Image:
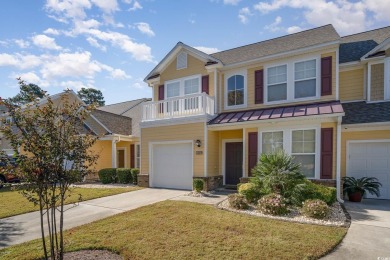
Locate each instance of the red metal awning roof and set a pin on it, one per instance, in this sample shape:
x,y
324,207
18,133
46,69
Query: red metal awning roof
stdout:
x,y
323,108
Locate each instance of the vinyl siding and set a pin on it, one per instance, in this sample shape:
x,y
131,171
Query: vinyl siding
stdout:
x,y
334,126
213,155
358,135
104,150
190,131
377,82
352,85
251,82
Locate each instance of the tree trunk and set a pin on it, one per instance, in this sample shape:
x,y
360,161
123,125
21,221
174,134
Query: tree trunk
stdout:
x,y
42,227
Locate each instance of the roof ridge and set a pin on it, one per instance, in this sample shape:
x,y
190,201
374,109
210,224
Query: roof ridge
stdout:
x,y
274,38
366,31
122,102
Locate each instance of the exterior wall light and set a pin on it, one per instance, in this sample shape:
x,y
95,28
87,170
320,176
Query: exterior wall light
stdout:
x,y
198,143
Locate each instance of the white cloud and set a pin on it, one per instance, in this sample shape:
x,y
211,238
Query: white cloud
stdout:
x,y
51,31
119,74
22,43
275,26
20,61
243,15
45,42
107,6
68,8
136,6
76,85
294,29
231,2
8,60
207,50
145,29
93,42
346,15
30,77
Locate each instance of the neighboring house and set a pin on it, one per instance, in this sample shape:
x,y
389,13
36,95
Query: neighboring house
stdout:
x,y
213,115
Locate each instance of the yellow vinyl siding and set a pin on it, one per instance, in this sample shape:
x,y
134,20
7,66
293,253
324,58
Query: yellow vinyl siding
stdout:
x,y
192,131
334,126
358,135
213,155
194,67
251,81
104,150
377,82
351,84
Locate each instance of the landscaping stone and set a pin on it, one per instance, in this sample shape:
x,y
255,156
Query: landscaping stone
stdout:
x,y
336,217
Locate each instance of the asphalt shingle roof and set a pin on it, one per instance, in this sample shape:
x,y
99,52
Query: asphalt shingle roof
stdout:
x,y
355,46
362,112
278,45
116,124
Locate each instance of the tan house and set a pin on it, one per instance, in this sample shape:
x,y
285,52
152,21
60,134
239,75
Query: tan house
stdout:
x,y
212,115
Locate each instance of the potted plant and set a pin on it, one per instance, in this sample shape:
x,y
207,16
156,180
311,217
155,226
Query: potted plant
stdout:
x,y
356,188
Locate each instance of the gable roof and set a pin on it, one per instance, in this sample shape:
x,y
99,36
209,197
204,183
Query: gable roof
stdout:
x,y
355,46
320,35
114,124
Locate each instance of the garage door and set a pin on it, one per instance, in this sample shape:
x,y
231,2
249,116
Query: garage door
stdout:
x,y
371,159
172,166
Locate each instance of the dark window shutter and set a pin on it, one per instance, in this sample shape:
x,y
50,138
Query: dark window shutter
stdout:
x,y
326,153
205,84
161,97
259,86
326,76
161,92
252,151
132,156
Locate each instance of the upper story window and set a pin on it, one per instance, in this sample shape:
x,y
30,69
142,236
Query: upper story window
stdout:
x,y
305,79
181,60
292,81
235,90
183,86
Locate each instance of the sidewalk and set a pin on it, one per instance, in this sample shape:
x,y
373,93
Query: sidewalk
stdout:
x,y
25,227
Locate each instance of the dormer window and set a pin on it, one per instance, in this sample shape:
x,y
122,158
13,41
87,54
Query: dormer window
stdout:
x,y
181,60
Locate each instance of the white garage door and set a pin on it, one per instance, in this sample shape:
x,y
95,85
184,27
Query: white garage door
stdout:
x,y
371,159
172,166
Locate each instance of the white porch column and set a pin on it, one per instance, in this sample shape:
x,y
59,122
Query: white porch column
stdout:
x,y
338,161
113,155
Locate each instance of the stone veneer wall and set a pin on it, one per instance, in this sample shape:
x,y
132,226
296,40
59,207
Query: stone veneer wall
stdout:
x,y
143,180
377,81
211,182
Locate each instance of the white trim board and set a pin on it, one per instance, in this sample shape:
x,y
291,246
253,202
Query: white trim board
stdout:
x,y
224,141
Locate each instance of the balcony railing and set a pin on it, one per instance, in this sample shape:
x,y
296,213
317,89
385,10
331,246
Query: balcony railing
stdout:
x,y
189,105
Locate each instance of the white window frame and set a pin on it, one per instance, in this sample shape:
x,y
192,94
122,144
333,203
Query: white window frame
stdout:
x,y
291,79
243,73
287,142
316,77
137,159
183,54
181,81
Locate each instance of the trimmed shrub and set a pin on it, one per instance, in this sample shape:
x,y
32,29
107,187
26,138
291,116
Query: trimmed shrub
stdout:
x,y
315,209
310,190
327,194
272,204
134,175
107,175
124,175
197,185
249,191
237,201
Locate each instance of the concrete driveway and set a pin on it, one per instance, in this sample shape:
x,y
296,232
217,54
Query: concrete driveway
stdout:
x,y
25,227
369,234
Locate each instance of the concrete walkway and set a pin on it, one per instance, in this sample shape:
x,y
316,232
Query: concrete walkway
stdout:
x,y
25,227
369,234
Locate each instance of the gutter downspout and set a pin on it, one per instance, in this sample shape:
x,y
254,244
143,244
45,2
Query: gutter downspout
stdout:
x,y
338,161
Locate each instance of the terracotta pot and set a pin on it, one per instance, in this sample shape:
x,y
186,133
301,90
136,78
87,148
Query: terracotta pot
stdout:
x,y
355,197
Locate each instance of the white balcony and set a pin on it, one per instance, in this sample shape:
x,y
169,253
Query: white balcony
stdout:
x,y
189,105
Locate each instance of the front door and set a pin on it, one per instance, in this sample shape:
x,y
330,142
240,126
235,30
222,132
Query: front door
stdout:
x,y
121,158
233,163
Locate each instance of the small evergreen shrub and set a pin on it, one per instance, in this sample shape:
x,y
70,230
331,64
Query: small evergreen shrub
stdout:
x,y
272,204
315,209
198,185
250,191
309,190
327,194
237,201
124,175
134,175
107,175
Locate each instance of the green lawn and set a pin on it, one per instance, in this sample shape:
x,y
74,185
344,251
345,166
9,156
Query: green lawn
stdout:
x,y
13,203
185,230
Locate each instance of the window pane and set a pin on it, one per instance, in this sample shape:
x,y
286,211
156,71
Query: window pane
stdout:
x,y
306,88
309,147
307,164
277,92
232,83
297,135
272,141
231,98
191,86
173,89
239,97
277,74
278,136
310,135
297,147
239,82
305,69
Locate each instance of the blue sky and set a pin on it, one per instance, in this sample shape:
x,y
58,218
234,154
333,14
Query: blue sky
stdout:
x,y
112,45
